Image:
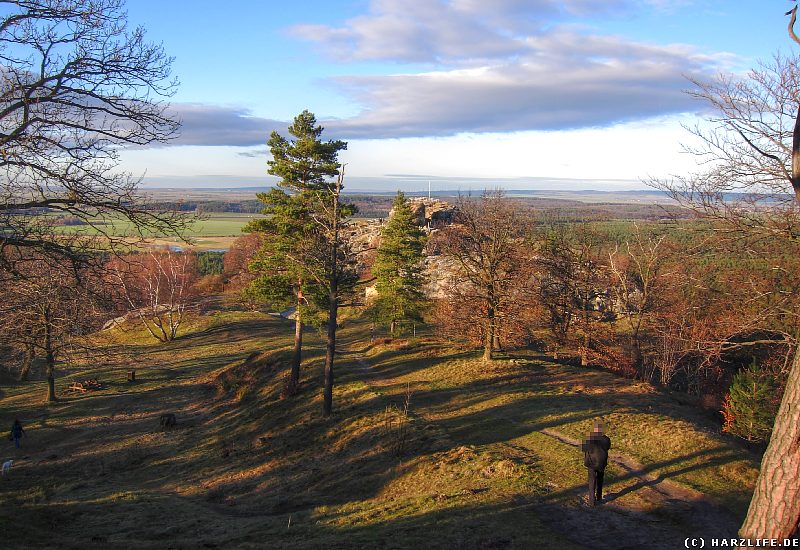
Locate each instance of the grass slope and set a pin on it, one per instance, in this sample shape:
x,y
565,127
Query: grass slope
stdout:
x,y
247,469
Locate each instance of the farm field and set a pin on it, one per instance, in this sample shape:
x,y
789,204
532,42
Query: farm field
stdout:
x,y
215,231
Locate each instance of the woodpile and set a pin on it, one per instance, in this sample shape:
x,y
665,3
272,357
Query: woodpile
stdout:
x,y
91,384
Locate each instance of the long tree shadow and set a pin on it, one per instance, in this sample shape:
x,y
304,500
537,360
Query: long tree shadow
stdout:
x,y
258,454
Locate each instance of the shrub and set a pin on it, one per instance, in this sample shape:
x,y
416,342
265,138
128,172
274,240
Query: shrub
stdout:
x,y
751,404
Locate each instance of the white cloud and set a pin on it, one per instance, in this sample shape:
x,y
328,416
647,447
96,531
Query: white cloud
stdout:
x,y
411,32
498,67
572,82
503,66
447,31
626,151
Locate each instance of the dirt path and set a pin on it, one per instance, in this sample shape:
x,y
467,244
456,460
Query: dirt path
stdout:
x,y
624,523
657,514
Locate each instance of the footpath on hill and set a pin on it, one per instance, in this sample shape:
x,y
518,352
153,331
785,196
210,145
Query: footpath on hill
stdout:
x,y
641,509
486,456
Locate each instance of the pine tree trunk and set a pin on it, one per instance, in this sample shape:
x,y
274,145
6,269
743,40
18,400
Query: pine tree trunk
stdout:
x,y
298,342
775,507
333,307
327,406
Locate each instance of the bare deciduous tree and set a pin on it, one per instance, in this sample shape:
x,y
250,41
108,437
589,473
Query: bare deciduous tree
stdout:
x,y
49,310
573,282
76,84
752,186
638,282
156,287
484,245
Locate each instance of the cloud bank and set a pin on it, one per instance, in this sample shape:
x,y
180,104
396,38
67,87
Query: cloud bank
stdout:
x,y
203,124
501,66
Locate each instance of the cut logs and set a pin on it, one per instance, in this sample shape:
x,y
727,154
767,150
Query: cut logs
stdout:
x,y
83,386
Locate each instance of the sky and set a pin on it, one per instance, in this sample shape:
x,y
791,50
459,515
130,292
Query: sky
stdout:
x,y
567,94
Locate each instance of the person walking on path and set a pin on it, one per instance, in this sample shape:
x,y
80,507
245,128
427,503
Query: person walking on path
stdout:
x,y
16,432
595,457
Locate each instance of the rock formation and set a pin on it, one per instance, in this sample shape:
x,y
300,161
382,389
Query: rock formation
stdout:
x,y
364,237
431,212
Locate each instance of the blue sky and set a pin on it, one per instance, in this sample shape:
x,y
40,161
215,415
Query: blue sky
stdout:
x,y
522,93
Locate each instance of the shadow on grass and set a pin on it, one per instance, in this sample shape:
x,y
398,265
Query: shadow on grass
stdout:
x,y
672,468
239,456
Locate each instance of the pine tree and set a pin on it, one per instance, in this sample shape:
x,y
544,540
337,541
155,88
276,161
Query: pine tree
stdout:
x,y
750,406
398,268
295,264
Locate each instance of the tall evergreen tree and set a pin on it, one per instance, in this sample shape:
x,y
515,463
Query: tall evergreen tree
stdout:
x,y
398,268
291,262
304,259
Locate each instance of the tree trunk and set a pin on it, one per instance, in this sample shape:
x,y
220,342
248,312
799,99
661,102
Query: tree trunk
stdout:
x,y
327,405
796,153
392,326
298,342
30,353
488,342
333,306
637,358
775,507
585,347
51,363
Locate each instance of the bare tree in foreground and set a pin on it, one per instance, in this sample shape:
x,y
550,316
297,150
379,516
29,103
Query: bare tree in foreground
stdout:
x,y
753,187
76,85
484,244
49,310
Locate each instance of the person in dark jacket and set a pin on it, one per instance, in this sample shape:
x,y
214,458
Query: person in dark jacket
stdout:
x,y
17,432
595,458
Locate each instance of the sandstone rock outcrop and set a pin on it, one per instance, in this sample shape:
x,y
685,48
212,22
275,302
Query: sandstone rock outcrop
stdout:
x,y
431,214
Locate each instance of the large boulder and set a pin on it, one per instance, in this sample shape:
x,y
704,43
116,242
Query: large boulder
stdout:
x,y
430,212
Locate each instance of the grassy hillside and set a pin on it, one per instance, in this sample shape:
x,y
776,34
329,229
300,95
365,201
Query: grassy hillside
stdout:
x,y
483,458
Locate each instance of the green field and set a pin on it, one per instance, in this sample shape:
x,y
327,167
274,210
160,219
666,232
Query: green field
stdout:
x,y
210,231
226,224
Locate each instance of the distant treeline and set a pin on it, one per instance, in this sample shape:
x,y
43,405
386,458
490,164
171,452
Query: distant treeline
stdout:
x,y
253,206
368,206
543,209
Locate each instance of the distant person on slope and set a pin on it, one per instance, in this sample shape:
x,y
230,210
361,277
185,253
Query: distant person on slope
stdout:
x,y
595,458
16,432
